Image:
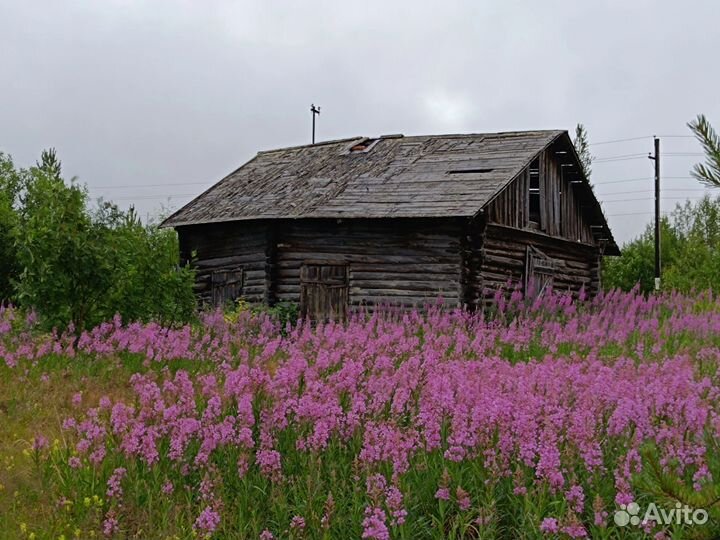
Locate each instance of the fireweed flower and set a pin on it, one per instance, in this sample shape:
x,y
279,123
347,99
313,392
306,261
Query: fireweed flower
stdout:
x,y
40,443
113,484
207,521
463,498
530,394
110,525
374,526
549,526
297,522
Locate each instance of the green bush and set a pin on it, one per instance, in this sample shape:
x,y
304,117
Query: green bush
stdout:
x,y
10,181
689,250
80,267
282,312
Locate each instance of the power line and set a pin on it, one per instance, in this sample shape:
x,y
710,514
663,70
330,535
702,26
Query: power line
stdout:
x,y
148,197
613,160
621,140
624,180
622,156
147,185
644,178
664,213
684,190
646,199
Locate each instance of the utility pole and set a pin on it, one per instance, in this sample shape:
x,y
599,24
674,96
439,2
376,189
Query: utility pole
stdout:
x,y
315,111
656,158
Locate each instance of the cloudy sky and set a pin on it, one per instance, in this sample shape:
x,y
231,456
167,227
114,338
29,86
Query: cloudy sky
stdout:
x,y
149,103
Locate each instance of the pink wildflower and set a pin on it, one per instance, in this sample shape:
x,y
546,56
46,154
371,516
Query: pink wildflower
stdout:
x,y
463,498
114,488
549,526
208,520
374,526
40,443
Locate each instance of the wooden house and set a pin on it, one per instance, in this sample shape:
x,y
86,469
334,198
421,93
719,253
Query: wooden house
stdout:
x,y
397,220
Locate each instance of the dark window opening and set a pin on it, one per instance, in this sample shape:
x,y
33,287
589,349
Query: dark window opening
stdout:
x,y
561,205
471,171
534,194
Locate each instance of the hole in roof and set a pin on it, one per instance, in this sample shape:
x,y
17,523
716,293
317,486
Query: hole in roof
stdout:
x,y
363,146
471,171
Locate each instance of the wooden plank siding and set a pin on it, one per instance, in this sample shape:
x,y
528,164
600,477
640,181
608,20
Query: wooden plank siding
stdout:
x,y
563,234
560,206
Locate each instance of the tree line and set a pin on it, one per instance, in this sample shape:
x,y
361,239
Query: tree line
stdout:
x,y
689,236
78,266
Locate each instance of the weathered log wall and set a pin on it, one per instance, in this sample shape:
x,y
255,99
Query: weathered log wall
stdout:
x,y
503,255
393,261
233,246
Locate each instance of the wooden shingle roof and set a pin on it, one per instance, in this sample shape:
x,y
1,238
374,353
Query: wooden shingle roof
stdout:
x,y
396,176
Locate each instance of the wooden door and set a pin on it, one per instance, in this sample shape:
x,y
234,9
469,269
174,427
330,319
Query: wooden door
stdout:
x,y
324,292
226,286
539,272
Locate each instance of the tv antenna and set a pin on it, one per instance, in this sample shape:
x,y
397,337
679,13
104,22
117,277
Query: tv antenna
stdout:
x,y
315,111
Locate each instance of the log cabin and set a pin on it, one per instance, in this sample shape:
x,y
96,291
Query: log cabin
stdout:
x,y
396,220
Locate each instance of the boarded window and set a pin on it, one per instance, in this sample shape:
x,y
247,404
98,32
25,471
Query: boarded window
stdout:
x,y
226,286
539,272
324,292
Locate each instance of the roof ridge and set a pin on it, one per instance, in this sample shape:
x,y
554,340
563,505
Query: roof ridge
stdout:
x,y
394,136
311,145
486,134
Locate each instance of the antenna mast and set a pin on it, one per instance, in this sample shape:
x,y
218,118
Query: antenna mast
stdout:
x,y
315,111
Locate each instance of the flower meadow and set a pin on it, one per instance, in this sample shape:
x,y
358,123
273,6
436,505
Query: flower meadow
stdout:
x,y
536,420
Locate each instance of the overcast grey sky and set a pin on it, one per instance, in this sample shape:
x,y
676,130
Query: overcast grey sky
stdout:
x,y
179,93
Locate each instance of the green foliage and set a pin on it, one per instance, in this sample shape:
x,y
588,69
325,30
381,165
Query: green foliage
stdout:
x,y
582,146
10,182
689,252
64,258
76,266
282,312
146,282
708,173
666,488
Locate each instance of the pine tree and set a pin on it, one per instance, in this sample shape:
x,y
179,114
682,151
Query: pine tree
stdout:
x,y
582,146
709,172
